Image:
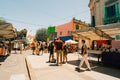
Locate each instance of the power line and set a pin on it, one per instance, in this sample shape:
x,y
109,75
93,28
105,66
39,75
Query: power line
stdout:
x,y
18,21
72,15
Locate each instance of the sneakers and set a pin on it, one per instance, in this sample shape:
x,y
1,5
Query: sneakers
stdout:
x,y
63,62
77,69
48,62
88,69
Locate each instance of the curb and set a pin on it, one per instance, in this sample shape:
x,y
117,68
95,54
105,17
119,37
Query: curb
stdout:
x,y
30,70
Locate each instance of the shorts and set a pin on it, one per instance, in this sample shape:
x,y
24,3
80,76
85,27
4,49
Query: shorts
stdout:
x,y
16,48
41,49
51,52
64,52
33,48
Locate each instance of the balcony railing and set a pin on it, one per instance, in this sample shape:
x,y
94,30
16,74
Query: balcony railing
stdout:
x,y
110,20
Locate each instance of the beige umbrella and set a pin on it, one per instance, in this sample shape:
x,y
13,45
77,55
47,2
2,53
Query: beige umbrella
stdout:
x,y
7,31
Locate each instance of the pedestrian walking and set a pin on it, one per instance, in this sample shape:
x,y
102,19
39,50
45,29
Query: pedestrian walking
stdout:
x,y
34,44
51,49
5,47
21,47
45,47
16,46
84,57
41,48
65,51
38,48
59,50
9,47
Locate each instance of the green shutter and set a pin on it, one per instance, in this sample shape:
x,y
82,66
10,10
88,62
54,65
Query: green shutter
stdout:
x,y
105,12
118,37
117,9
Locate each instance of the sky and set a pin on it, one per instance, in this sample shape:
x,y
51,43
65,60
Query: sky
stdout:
x,y
36,14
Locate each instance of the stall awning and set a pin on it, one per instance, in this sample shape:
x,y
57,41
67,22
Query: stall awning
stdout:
x,y
111,29
91,33
7,31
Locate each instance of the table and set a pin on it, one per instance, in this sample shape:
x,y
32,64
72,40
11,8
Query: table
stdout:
x,y
98,52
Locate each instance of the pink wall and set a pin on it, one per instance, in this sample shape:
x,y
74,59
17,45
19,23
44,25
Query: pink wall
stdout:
x,y
116,44
64,28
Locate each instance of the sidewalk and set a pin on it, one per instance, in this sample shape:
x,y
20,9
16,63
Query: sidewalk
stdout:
x,y
40,70
13,67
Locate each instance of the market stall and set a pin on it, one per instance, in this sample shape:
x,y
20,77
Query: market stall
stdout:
x,y
72,45
7,31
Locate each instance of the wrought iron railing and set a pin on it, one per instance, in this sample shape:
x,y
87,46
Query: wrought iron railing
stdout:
x,y
110,20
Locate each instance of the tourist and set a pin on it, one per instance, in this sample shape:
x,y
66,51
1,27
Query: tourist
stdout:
x,y
21,47
45,47
38,48
65,51
41,48
16,46
9,47
34,44
51,49
5,47
84,57
59,48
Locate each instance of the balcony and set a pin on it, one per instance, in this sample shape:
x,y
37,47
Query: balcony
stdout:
x,y
110,20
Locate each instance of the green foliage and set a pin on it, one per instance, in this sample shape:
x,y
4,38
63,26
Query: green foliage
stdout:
x,y
2,21
41,34
22,33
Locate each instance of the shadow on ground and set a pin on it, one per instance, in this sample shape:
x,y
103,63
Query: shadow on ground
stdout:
x,y
3,58
98,67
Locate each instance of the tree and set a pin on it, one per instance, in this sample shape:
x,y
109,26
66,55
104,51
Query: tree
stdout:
x,y
22,33
41,34
2,21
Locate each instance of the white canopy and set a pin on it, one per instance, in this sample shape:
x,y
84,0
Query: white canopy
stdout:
x,y
7,31
71,42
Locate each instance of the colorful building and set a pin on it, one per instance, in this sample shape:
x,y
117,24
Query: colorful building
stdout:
x,y
64,30
105,15
104,11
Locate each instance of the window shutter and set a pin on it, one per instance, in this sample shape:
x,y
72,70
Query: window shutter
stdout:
x,y
117,9
105,12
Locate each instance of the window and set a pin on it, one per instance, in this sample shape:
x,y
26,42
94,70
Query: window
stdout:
x,y
60,33
110,11
77,27
111,14
69,32
93,21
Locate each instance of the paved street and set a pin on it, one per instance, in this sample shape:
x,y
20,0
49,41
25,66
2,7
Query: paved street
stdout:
x,y
40,70
13,67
